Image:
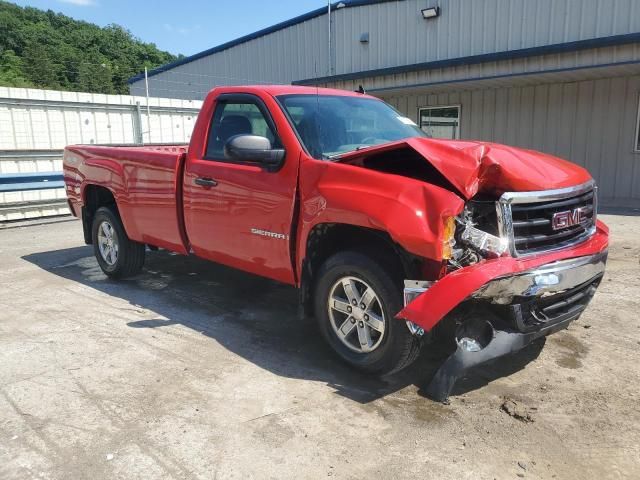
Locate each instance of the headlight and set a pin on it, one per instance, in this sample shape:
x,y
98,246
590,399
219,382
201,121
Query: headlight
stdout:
x,y
484,242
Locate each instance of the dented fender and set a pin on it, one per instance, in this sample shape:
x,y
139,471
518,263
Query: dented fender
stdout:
x,y
410,211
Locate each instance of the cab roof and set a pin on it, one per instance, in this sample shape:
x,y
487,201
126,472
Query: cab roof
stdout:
x,y
278,90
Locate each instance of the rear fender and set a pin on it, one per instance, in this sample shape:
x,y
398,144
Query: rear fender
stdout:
x,y
109,174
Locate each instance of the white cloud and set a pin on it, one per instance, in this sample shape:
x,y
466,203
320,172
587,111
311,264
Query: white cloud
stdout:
x,y
80,3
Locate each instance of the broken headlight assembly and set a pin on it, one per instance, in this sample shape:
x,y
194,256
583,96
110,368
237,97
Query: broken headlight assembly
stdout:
x,y
485,243
477,234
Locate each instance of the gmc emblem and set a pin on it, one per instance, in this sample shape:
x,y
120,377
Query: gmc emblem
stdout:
x,y
569,218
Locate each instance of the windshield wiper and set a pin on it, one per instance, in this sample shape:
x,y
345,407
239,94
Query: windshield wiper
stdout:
x,y
332,156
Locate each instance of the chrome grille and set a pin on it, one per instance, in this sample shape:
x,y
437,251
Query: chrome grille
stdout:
x,y
530,220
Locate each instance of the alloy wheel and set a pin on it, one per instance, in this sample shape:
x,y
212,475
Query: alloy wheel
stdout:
x,y
108,243
356,314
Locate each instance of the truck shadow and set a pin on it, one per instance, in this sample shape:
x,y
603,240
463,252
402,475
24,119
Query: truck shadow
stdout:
x,y
253,317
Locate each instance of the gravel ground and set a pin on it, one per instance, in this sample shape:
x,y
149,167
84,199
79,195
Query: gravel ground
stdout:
x,y
192,370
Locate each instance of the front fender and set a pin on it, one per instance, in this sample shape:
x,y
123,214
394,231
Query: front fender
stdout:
x,y
410,211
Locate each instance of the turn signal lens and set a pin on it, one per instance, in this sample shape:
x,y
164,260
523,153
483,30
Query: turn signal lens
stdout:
x,y
448,237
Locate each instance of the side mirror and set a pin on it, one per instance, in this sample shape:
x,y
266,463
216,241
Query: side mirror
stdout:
x,y
253,148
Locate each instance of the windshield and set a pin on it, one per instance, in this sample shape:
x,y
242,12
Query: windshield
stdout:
x,y
330,126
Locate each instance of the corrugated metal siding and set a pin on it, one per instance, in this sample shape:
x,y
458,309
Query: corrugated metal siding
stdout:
x,y
296,52
627,56
399,36
35,125
47,119
592,123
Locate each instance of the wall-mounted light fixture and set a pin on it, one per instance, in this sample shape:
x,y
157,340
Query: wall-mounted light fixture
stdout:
x,y
431,12
364,38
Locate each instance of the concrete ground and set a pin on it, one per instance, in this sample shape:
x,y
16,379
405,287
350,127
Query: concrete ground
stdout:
x,y
192,370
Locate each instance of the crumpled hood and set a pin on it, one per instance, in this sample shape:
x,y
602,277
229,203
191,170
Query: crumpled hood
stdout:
x,y
472,166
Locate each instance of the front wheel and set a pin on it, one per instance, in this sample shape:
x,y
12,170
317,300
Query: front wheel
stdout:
x,y
355,302
117,255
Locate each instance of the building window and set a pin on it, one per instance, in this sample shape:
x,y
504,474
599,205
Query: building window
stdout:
x,y
637,137
441,122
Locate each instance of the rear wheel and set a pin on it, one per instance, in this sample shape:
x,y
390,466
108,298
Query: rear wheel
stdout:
x,y
117,255
355,302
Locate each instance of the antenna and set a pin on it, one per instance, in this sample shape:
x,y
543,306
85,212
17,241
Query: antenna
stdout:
x,y
316,120
329,37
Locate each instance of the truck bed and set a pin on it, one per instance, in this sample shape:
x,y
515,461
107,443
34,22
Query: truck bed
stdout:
x,y
145,181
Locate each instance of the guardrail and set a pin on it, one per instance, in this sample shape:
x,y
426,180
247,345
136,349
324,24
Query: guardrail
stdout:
x,y
31,195
24,182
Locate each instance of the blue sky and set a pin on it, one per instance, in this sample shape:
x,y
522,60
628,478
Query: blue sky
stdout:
x,y
188,26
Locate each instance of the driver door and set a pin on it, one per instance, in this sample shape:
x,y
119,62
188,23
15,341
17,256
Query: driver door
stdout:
x,y
240,213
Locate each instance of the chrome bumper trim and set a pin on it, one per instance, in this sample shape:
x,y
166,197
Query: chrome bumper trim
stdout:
x,y
412,289
545,280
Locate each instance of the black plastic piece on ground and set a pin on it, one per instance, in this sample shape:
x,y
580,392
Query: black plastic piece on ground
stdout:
x,y
503,343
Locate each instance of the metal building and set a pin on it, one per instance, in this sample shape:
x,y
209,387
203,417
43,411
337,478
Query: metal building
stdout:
x,y
560,76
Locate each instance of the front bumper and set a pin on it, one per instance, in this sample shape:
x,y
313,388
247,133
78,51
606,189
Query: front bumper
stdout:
x,y
545,280
546,295
524,299
447,293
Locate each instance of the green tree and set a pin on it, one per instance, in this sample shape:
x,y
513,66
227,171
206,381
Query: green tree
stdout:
x,y
95,77
12,70
40,66
50,50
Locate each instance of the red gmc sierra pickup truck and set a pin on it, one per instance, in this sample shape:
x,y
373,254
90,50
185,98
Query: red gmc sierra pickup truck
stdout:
x,y
395,240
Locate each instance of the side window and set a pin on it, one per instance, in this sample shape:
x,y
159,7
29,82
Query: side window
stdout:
x,y
236,118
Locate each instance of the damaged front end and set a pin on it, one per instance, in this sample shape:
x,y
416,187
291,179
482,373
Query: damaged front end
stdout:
x,y
509,282
510,312
513,232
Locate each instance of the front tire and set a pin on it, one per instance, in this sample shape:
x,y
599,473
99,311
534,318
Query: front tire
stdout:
x,y
355,302
117,255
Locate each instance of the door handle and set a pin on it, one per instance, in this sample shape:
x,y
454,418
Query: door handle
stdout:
x,y
206,182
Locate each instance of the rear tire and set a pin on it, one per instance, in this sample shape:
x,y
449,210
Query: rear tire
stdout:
x,y
386,347
117,255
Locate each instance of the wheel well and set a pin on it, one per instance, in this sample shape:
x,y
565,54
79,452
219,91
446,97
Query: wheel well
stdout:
x,y
95,197
327,239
